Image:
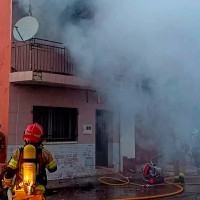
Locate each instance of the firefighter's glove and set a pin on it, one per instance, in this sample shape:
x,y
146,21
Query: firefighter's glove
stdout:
x,y
6,183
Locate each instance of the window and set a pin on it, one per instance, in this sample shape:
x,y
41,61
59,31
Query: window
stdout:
x,y
59,124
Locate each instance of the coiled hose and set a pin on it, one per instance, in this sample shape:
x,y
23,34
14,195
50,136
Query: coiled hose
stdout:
x,y
126,181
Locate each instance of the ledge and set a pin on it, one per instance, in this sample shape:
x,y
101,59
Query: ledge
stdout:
x,y
57,143
43,78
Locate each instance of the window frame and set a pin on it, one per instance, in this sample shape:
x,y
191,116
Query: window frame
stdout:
x,y
60,124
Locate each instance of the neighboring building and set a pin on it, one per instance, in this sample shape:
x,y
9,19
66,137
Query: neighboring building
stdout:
x,y
38,83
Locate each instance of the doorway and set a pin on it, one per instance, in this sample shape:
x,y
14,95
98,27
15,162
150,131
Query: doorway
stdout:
x,y
103,137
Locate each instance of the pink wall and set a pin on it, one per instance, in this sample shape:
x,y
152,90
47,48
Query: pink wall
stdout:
x,y
5,54
22,99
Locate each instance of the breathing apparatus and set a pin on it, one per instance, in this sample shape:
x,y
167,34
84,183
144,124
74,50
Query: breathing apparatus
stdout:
x,y
29,169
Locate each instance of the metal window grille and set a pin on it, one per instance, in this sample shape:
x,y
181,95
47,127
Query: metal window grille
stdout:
x,y
59,124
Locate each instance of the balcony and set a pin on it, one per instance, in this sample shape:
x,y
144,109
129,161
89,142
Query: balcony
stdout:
x,y
43,62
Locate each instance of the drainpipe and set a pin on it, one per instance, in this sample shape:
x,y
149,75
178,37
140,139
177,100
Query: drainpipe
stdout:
x,y
17,117
120,134
120,160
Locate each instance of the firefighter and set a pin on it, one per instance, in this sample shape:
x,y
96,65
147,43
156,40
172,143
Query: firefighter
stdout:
x,y
33,136
195,148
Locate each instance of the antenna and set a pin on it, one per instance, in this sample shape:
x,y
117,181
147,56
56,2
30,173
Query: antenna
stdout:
x,y
30,13
25,28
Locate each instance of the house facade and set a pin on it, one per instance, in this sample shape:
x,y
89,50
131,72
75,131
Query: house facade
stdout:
x,y
39,83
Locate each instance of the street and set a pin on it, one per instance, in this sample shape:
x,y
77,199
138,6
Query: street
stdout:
x,y
191,192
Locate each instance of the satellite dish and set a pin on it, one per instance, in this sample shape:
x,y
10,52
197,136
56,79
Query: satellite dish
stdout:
x,y
25,28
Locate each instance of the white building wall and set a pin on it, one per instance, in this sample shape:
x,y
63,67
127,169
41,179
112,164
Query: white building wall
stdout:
x,y
116,156
73,160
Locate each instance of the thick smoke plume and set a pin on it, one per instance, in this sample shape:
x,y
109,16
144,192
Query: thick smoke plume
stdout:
x,y
142,55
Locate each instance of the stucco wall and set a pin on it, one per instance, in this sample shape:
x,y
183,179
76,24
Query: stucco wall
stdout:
x,y
74,159
23,98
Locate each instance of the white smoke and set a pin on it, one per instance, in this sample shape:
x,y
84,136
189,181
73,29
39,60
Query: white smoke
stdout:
x,y
143,55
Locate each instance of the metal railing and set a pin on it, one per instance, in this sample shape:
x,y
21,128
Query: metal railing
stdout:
x,y
42,56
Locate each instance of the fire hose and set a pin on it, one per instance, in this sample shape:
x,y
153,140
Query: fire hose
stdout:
x,y
126,181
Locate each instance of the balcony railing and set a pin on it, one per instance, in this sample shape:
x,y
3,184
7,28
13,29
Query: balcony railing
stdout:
x,y
41,56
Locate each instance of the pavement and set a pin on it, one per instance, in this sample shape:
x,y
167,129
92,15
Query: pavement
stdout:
x,y
103,192
92,181
73,183
89,188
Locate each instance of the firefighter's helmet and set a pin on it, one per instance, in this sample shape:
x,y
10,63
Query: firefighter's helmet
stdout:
x,y
34,133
